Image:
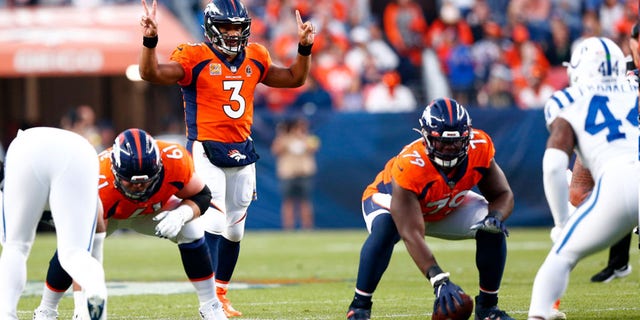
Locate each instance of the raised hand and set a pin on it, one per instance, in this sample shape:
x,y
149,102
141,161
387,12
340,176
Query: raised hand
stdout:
x,y
306,31
148,21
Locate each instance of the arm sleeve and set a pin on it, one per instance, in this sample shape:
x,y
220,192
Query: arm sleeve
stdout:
x,y
556,189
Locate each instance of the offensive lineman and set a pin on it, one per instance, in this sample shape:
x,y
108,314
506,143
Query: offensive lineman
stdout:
x,y
140,177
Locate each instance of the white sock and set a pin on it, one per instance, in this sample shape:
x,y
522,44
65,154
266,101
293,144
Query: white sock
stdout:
x,y
50,298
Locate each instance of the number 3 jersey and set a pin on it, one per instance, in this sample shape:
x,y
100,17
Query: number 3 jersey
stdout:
x,y
438,194
177,172
604,118
218,94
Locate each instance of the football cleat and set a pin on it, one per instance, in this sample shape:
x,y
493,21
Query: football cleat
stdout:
x,y
44,313
358,314
490,313
229,310
556,314
608,274
212,310
95,306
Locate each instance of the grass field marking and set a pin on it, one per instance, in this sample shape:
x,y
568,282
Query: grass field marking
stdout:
x,y
128,288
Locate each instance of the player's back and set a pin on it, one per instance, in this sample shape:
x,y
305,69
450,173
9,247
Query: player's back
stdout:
x,y
604,119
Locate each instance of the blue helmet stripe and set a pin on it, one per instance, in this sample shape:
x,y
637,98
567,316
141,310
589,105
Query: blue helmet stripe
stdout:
x,y
608,56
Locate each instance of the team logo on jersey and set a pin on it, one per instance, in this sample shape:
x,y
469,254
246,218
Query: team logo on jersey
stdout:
x,y
248,71
215,69
234,69
236,155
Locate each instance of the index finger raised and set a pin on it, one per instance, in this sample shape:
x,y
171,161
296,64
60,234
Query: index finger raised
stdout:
x,y
298,18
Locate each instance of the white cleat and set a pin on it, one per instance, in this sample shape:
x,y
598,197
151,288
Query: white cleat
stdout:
x,y
96,308
212,310
44,313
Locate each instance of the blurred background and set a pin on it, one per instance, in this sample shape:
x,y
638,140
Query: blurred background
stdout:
x,y
376,64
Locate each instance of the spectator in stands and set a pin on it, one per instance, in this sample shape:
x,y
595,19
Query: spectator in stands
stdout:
x,y
558,49
82,120
390,95
523,53
450,37
487,51
590,28
295,148
610,12
497,92
369,50
405,27
333,74
314,98
538,90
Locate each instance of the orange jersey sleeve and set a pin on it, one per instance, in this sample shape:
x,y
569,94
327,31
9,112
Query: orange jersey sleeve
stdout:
x,y
177,172
218,94
412,170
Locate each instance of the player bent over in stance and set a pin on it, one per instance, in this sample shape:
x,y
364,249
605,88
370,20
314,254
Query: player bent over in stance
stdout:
x,y
139,180
595,117
50,168
426,190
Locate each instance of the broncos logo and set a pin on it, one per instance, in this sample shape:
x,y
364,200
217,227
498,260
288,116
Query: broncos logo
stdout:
x,y
235,154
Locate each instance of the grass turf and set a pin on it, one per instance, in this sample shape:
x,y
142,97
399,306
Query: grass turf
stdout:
x,y
314,273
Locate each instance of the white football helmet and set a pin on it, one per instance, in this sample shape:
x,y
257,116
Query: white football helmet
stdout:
x,y
596,60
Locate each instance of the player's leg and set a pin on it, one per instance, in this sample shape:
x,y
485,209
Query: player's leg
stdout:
x,y
25,195
74,207
287,210
585,234
375,254
618,264
214,219
241,188
491,251
196,261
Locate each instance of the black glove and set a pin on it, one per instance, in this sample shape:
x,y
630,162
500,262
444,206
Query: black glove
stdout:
x,y
446,293
491,223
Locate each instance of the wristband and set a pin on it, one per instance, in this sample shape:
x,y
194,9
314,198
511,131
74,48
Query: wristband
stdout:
x,y
433,271
304,50
150,42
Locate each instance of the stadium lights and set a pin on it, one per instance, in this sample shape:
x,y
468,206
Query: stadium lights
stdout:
x,y
133,73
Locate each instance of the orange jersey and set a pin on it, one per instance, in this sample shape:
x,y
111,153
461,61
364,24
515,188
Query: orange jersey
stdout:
x,y
177,172
218,94
412,170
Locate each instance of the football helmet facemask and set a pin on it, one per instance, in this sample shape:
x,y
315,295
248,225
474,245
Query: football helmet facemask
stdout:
x,y
446,128
219,13
596,60
136,164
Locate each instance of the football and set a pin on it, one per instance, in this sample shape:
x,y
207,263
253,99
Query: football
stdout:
x,y
462,312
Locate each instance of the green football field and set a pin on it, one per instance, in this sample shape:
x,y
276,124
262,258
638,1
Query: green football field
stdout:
x,y
311,275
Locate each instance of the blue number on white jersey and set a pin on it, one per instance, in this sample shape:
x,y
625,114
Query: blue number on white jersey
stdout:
x,y
599,105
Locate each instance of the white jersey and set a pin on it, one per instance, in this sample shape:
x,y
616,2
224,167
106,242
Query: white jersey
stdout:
x,y
604,119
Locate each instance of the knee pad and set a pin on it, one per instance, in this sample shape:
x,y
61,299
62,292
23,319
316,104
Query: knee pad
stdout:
x,y
242,190
235,232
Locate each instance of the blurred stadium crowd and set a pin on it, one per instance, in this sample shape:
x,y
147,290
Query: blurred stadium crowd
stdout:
x,y
396,55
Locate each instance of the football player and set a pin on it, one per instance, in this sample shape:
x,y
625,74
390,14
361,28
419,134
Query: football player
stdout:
x,y
139,177
596,120
218,78
50,168
426,190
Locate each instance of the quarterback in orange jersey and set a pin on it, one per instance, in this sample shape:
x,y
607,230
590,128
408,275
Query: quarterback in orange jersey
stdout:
x,y
426,190
218,78
150,187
